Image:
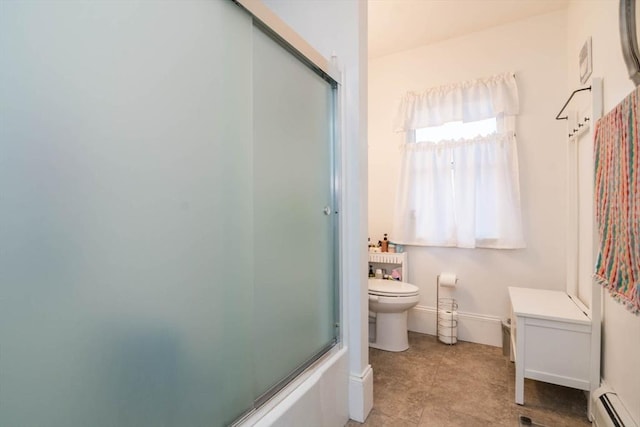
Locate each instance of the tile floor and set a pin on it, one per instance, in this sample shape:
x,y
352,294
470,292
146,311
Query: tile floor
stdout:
x,y
433,384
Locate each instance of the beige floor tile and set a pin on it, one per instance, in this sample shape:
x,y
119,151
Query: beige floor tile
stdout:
x,y
443,417
549,418
433,384
401,404
484,401
377,419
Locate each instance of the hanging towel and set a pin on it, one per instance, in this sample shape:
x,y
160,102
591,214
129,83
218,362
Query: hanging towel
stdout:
x,y
617,201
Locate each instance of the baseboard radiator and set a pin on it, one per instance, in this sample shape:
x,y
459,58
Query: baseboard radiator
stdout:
x,y
608,410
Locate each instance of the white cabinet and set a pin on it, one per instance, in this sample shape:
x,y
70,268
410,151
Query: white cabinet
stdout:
x,y
551,339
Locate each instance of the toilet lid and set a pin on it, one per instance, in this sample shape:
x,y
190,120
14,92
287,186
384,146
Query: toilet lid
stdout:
x,y
391,287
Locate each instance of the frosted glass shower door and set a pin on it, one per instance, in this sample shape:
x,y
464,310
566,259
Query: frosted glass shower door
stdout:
x,y
167,215
126,191
294,250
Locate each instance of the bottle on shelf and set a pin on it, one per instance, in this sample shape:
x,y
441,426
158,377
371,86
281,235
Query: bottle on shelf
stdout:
x,y
385,243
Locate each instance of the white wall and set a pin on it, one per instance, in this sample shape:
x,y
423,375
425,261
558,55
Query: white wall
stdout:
x,y
535,49
340,28
620,329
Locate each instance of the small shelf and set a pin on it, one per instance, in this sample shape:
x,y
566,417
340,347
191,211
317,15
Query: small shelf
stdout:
x,y
391,258
388,257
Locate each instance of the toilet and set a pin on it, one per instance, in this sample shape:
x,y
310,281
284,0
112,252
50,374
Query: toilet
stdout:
x,y
390,301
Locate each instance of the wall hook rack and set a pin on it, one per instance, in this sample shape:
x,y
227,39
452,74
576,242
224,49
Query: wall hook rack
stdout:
x,y
568,101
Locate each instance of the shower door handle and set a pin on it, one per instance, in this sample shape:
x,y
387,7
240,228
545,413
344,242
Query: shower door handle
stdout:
x,y
327,210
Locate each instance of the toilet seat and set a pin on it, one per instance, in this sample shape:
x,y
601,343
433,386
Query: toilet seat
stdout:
x,y
391,288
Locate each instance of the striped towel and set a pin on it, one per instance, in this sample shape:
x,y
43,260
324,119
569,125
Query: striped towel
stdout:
x,y
617,201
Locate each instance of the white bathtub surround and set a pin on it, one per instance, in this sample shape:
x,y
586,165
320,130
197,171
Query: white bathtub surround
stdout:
x,y
318,397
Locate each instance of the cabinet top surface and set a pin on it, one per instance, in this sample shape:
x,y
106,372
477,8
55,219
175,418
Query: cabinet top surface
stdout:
x,y
546,304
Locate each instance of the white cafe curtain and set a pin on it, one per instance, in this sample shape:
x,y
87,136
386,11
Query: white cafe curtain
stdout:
x,y
460,192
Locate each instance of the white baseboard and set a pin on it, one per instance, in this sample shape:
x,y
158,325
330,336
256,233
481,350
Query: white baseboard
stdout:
x,y
361,395
471,327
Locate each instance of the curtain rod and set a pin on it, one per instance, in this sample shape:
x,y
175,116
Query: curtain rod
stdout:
x,y
568,101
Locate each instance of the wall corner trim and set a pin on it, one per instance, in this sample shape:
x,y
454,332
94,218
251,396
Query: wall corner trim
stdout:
x,y
361,394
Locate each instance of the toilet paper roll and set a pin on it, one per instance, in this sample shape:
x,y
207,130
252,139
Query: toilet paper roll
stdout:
x,y
447,314
447,279
447,319
447,323
448,340
448,331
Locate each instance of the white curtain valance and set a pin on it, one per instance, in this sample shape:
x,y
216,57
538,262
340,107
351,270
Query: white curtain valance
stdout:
x,y
459,194
468,101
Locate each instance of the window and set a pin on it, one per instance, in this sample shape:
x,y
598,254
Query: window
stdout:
x,y
456,130
459,182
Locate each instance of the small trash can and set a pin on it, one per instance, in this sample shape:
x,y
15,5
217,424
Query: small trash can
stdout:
x,y
506,337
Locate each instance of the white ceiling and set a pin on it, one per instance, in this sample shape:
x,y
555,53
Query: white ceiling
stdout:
x,y
396,25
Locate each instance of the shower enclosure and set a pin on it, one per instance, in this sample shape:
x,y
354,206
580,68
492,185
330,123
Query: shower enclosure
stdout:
x,y
168,216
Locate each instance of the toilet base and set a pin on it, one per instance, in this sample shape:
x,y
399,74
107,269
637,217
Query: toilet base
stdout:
x,y
391,332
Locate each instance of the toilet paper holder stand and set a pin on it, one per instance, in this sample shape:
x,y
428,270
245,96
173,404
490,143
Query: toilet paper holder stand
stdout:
x,y
446,313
